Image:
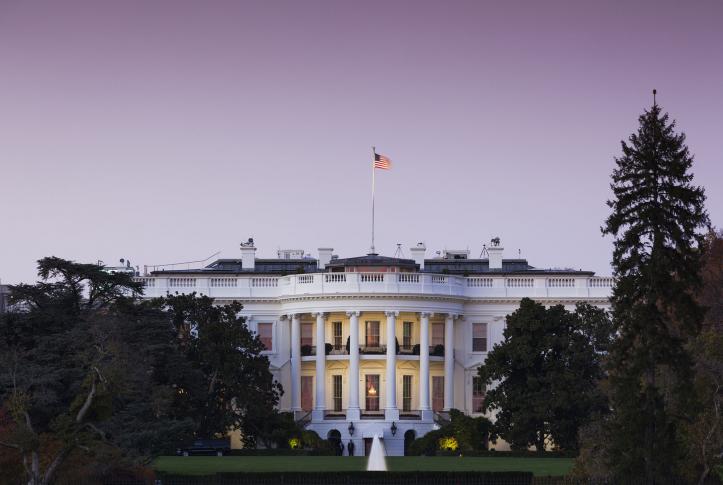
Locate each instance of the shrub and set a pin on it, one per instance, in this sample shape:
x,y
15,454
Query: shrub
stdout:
x,y
448,443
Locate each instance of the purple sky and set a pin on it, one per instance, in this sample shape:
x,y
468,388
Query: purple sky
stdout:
x,y
164,131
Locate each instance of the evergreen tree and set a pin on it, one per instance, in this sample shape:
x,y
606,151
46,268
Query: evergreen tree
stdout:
x,y
657,220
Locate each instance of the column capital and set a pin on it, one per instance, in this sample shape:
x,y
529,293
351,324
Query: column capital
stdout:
x,y
426,314
319,314
355,313
391,314
293,316
454,316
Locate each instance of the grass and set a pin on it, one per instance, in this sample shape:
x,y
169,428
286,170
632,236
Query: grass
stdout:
x,y
208,465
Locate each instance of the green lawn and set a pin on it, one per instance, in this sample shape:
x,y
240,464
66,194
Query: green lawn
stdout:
x,y
207,465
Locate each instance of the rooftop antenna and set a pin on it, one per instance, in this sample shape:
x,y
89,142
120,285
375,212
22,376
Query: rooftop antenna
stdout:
x,y
484,251
655,91
399,253
519,253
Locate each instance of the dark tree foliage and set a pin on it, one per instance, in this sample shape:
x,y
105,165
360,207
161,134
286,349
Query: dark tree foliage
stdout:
x,y
81,370
547,371
657,219
237,391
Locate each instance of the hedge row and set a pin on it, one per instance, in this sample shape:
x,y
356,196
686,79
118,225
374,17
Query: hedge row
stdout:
x,y
281,452
355,478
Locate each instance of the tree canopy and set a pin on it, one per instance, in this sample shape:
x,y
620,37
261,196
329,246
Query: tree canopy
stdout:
x,y
545,374
87,368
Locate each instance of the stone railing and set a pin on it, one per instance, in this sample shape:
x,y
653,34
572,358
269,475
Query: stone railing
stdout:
x,y
385,283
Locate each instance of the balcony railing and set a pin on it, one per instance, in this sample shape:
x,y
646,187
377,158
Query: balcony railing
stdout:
x,y
562,286
332,414
410,414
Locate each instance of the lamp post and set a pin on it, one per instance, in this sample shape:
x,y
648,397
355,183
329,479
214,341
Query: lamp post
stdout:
x,y
351,429
394,428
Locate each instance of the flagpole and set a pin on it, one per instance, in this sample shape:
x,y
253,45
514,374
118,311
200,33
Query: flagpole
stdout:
x,y
374,155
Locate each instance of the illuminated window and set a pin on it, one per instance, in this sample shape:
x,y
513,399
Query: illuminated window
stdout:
x,y
372,334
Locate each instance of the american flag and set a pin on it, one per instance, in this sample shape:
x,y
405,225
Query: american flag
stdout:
x,y
381,161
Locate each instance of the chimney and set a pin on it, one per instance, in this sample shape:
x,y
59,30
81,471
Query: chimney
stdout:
x,y
418,254
248,255
494,252
324,257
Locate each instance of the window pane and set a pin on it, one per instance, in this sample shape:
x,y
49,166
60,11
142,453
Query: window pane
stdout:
x,y
372,336
479,337
406,393
437,393
372,392
306,334
478,394
337,335
337,392
307,392
265,335
437,334
407,334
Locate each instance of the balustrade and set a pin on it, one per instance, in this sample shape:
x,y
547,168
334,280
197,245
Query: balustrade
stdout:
x,y
391,283
561,282
181,282
223,282
477,282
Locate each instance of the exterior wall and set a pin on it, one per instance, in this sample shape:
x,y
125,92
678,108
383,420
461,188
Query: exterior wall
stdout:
x,y
467,300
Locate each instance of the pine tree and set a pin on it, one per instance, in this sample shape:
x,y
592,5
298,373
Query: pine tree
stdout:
x,y
658,220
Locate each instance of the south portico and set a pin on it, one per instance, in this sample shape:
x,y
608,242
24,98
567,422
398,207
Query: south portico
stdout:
x,y
344,370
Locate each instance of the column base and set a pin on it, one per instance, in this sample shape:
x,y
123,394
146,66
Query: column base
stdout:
x,y
391,414
353,414
427,415
317,414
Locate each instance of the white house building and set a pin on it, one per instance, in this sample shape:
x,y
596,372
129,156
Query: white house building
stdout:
x,y
379,345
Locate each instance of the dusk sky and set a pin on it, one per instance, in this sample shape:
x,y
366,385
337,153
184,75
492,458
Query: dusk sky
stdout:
x,y
165,131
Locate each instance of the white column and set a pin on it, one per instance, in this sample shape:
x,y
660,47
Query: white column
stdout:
x,y
449,362
295,363
424,367
391,411
353,413
320,406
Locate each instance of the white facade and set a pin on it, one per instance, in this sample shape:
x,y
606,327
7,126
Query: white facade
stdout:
x,y
370,302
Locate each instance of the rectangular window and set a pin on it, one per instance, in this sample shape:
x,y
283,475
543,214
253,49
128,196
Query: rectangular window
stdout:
x,y
307,331
437,393
307,392
372,334
406,393
407,335
265,331
478,394
337,392
437,334
336,330
479,337
372,392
